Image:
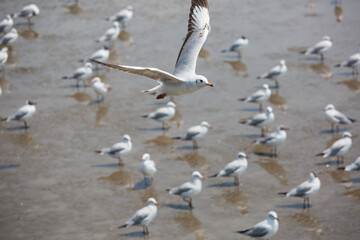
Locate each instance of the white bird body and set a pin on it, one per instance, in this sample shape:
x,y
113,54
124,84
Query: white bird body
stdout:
x,y
234,168
195,132
352,61
9,37
81,73
355,166
259,96
336,117
274,138
340,147
99,87
264,229
189,189
163,113
110,34
320,47
261,119
238,44
101,55
118,149
28,11
275,72
309,187
123,16
23,113
143,216
183,80
147,167
6,24
3,56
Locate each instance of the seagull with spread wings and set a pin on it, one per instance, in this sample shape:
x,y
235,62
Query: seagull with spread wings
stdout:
x,y
183,80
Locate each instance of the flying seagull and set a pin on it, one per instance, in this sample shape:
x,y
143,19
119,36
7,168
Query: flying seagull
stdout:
x,y
183,80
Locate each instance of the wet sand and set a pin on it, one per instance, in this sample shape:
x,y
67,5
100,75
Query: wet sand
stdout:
x,y
53,186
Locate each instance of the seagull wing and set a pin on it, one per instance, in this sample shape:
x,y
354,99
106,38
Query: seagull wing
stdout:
x,y
152,73
198,29
261,229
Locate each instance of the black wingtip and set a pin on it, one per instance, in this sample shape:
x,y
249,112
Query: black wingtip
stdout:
x,y
337,65
122,226
145,116
258,77
319,154
282,193
97,151
65,77
352,120
168,190
241,99
303,52
223,51
212,176
176,138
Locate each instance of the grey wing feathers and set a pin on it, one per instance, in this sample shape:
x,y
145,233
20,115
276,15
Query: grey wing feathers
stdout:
x,y
255,231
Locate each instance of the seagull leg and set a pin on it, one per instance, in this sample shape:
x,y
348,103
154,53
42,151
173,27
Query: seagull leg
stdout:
x,y
304,205
120,161
322,57
262,132
29,22
260,107
195,145
236,181
276,83
25,125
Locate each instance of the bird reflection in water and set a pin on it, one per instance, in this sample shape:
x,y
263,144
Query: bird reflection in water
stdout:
x,y
308,222
28,33
188,222
205,54
5,85
278,101
338,10
339,175
353,84
81,97
12,58
114,58
238,66
195,161
74,8
274,169
177,118
236,198
322,70
119,177
126,37
101,114
161,141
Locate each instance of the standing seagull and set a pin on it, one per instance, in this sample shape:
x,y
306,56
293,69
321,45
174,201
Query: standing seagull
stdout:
x,y
355,166
320,47
110,34
183,80
10,37
3,58
28,12
147,168
234,168
101,55
309,187
336,118
189,189
338,148
195,132
143,216
6,24
260,120
99,87
118,149
352,62
275,72
238,45
123,16
264,229
259,96
23,113
81,73
274,139
163,114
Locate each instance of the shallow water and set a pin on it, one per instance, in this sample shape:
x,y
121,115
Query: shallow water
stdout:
x,y
53,186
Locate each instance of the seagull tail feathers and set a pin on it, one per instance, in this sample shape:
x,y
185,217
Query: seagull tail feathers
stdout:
x,y
242,99
243,231
215,175
122,226
352,120
224,51
145,116
176,138
98,151
338,65
282,193
320,154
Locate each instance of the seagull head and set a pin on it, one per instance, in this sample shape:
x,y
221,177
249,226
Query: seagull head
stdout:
x,y
13,30
197,175
145,156
95,79
329,107
127,138
241,155
88,65
202,81
171,104
283,128
28,102
273,215
265,86
313,175
129,8
326,38
346,135
116,24
269,110
35,9
282,62
152,201
205,124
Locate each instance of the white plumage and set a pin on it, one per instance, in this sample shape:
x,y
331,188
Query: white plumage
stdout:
x,y
147,167
81,73
143,216
6,24
28,12
183,80
23,113
275,72
162,114
335,117
123,16
352,62
234,168
264,229
195,132
238,45
339,148
99,87
9,37
355,166
320,47
259,96
274,139
261,119
118,149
